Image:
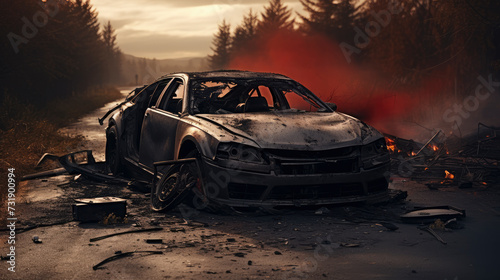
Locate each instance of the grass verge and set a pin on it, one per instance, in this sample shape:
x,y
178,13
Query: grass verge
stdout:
x,y
28,131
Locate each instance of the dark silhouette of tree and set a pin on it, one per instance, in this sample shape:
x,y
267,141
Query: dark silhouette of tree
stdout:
x,y
52,49
346,16
112,60
245,34
321,16
221,45
332,18
276,17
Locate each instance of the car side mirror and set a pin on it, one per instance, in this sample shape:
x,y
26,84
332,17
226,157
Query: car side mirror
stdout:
x,y
333,106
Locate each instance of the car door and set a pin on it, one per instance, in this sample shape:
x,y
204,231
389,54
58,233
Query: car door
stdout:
x,y
160,125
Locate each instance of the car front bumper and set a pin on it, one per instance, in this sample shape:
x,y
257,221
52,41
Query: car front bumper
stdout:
x,y
243,188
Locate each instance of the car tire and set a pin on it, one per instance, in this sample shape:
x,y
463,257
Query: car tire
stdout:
x,y
113,156
175,185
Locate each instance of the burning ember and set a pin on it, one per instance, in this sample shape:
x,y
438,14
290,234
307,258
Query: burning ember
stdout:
x,y
448,175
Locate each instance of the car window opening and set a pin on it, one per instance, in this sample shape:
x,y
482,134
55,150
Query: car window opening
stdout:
x,y
238,96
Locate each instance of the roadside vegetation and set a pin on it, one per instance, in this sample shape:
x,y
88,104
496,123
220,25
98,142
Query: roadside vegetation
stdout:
x,y
407,41
30,131
376,59
57,64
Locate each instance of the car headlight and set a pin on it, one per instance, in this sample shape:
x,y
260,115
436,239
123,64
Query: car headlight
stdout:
x,y
374,154
373,149
240,152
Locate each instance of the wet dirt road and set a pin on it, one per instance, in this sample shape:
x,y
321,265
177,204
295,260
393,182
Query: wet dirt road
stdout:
x,y
348,242
89,127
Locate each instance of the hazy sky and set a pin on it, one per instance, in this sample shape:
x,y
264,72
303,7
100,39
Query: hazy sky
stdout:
x,y
173,29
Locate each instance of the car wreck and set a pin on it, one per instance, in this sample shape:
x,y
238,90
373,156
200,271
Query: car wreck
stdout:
x,y
243,139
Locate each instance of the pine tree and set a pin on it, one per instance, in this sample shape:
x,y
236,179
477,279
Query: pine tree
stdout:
x,y
321,16
346,16
221,47
332,18
275,17
245,33
112,58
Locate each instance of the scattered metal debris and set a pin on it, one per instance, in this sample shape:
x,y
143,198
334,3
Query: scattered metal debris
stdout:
x,y
154,241
123,255
349,245
125,232
81,162
43,174
389,226
433,233
430,214
322,210
444,161
36,239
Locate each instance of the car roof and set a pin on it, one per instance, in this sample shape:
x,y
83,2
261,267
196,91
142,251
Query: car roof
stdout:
x,y
229,74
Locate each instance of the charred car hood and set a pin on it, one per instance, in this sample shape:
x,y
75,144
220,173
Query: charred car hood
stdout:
x,y
296,130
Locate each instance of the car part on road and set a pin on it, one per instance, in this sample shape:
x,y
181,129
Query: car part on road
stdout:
x,y
125,232
43,174
123,255
96,209
433,233
154,241
430,214
83,162
389,226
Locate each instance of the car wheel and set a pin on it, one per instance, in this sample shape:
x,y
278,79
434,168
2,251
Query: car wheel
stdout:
x,y
113,157
173,187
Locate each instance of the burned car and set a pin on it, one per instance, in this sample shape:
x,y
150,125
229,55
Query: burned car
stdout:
x,y
244,139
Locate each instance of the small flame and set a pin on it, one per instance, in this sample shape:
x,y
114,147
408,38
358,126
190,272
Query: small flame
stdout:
x,y
434,147
448,175
391,145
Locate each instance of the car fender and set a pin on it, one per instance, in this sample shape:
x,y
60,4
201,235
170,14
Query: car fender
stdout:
x,y
115,120
205,143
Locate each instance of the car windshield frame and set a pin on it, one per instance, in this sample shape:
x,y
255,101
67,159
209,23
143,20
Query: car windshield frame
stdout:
x,y
224,86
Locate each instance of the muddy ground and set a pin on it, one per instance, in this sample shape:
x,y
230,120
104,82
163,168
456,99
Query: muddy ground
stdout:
x,y
346,242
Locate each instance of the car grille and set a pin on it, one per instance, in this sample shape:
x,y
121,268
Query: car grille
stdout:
x,y
304,168
316,191
293,154
291,162
245,191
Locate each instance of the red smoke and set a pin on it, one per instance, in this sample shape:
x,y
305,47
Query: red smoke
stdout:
x,y
320,65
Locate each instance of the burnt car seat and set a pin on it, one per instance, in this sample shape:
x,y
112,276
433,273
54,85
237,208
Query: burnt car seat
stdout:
x,y
253,104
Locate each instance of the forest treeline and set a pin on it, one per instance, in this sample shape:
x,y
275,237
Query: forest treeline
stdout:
x,y
54,49
405,40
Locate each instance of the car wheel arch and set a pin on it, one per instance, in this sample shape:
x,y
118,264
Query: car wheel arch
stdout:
x,y
186,147
113,151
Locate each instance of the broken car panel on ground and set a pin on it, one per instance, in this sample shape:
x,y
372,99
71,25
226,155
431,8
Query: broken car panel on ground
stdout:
x,y
255,139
